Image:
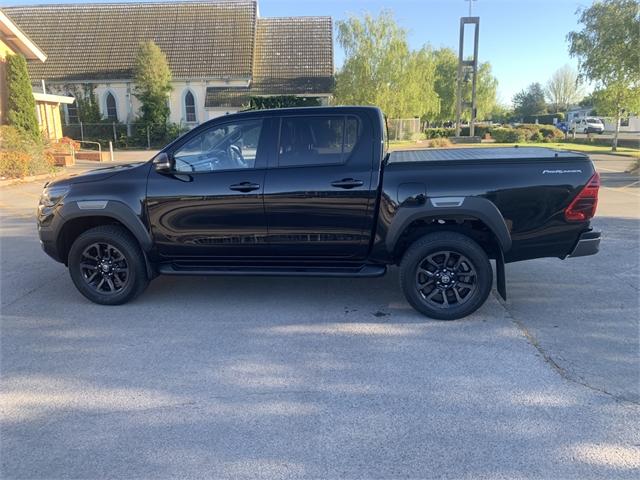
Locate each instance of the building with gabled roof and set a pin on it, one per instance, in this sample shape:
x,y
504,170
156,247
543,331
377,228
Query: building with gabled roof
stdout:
x,y
220,53
13,41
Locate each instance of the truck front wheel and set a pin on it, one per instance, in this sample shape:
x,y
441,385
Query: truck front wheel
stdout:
x,y
107,266
446,275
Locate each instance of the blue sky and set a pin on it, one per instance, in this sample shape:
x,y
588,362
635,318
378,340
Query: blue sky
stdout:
x,y
523,39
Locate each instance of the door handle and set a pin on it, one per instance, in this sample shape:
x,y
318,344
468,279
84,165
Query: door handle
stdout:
x,y
347,183
244,187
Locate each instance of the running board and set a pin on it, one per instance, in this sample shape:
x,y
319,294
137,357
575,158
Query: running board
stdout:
x,y
288,271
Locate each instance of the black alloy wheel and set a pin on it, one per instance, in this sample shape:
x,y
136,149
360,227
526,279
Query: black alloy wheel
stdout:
x,y
446,275
104,268
107,265
446,278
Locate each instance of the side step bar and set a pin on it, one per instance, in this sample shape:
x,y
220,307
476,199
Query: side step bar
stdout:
x,y
288,271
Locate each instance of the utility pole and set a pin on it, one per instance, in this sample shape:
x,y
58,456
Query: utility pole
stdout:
x,y
466,67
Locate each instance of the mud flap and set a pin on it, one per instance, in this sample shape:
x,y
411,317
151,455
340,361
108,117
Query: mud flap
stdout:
x,y
501,281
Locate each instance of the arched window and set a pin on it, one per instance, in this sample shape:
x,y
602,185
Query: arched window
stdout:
x,y
112,109
189,107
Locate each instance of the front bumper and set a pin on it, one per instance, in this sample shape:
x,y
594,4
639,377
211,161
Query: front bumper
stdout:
x,y
49,226
588,244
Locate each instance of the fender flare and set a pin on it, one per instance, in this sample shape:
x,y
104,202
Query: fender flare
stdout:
x,y
113,209
476,207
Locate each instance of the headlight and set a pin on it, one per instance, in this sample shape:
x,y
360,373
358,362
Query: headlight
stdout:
x,y
51,196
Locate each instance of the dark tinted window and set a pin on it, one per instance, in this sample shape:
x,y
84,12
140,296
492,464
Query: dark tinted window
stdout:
x,y
316,140
190,107
112,110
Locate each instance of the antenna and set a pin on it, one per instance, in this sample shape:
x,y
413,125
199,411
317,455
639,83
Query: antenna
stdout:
x,y
470,6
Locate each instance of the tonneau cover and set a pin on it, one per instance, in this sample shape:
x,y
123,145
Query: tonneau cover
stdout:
x,y
482,154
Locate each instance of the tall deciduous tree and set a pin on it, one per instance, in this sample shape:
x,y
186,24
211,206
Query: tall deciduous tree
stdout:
x,y
608,54
445,84
563,89
529,101
152,85
21,106
486,88
380,69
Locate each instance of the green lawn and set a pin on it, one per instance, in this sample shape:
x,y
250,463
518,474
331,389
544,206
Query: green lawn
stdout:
x,y
579,147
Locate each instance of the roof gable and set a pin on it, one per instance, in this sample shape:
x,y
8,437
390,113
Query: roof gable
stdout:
x,y
212,39
294,55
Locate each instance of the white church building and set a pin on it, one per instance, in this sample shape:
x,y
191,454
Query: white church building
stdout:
x,y
220,52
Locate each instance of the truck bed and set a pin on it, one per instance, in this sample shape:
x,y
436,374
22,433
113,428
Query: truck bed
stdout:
x,y
481,155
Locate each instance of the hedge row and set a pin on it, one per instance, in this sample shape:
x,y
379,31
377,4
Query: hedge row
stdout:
x,y
520,134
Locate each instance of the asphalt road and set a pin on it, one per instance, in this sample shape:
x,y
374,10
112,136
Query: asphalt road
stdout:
x,y
316,378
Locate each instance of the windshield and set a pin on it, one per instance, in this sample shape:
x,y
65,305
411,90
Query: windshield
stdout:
x,y
594,120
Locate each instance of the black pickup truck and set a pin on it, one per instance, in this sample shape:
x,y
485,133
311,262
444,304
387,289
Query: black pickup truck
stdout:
x,y
313,192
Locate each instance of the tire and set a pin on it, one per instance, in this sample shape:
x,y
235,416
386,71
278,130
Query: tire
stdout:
x,y
586,131
438,288
114,256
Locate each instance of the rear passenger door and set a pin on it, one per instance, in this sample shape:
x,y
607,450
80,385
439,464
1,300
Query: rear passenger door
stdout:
x,y
318,195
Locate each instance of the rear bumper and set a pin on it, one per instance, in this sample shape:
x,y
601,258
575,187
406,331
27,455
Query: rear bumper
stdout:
x,y
588,244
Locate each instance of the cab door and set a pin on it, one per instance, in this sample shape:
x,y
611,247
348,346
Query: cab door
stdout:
x,y
318,191
211,203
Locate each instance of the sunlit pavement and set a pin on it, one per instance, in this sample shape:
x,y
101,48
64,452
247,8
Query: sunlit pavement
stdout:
x,y
291,378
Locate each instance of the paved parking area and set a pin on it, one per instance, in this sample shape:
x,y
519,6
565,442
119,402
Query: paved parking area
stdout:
x,y
317,378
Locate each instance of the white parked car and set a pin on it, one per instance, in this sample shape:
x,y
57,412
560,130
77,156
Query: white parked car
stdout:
x,y
588,125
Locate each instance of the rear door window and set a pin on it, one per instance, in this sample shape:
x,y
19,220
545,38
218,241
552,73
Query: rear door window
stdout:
x,y
316,140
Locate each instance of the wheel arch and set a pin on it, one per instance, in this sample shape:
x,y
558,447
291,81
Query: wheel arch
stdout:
x,y
81,216
475,217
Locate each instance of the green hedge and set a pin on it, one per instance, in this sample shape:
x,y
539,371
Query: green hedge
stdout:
x,y
439,132
520,134
546,119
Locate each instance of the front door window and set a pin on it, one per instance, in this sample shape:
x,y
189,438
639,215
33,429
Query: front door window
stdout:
x,y
225,147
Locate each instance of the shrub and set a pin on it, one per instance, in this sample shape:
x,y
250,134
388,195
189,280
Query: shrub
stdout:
x,y
439,143
508,135
418,136
536,137
22,154
439,132
478,131
14,164
64,145
551,133
282,101
545,119
70,143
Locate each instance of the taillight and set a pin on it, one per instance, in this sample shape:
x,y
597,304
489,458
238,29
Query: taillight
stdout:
x,y
583,207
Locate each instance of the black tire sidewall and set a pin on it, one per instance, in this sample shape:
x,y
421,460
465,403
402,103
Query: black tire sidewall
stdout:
x,y
453,242
120,239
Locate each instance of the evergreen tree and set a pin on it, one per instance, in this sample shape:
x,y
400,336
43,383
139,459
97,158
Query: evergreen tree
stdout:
x,y
152,87
21,106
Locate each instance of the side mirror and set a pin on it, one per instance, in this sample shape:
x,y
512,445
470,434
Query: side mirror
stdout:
x,y
162,162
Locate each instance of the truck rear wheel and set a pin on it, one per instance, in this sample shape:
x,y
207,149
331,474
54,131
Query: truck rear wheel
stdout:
x,y
446,275
107,265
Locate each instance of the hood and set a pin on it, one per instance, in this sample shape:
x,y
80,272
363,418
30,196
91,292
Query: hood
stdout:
x,y
94,175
